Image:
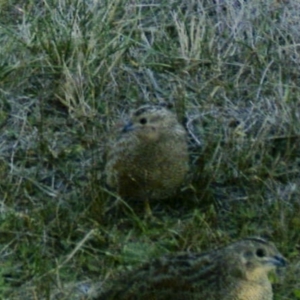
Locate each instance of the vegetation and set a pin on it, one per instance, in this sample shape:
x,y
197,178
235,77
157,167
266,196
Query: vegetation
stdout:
x,y
71,70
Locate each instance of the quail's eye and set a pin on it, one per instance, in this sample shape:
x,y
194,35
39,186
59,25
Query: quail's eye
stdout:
x,y
143,121
260,252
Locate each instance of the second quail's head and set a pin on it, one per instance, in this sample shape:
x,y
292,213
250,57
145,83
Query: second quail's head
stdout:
x,y
252,259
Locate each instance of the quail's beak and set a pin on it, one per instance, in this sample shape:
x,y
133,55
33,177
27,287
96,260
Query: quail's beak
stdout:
x,y
128,127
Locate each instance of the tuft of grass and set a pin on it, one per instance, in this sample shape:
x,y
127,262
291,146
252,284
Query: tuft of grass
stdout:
x,y
71,70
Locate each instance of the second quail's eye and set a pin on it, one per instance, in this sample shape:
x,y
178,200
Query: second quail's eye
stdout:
x,y
143,121
260,252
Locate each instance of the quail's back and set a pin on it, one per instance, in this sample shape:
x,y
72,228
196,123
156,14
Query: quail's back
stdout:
x,y
149,158
236,272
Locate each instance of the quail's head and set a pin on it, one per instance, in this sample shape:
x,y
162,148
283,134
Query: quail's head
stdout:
x,y
151,123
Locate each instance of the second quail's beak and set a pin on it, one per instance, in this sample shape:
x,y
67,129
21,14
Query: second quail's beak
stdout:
x,y
128,127
279,261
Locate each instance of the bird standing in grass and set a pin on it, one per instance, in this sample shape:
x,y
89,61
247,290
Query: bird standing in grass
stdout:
x,y
236,272
149,158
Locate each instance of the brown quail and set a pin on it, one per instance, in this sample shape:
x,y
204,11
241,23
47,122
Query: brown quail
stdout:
x,y
238,271
149,158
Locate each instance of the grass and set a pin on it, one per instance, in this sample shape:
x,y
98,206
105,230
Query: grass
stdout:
x,y
71,70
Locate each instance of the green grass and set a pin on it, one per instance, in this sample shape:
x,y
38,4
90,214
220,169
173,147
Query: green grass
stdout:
x,y
71,70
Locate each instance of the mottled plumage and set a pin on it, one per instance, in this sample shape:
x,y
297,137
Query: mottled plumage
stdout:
x,y
238,271
149,157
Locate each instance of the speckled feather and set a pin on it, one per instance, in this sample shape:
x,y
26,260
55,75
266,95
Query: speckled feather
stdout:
x,y
149,157
236,272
